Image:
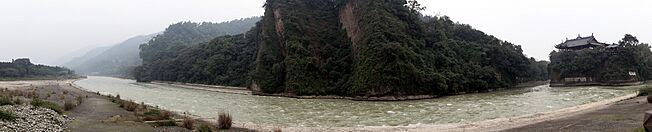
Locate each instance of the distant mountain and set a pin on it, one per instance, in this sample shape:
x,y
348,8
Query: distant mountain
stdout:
x,y
78,60
117,60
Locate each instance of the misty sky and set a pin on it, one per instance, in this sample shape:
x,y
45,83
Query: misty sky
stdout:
x,y
47,30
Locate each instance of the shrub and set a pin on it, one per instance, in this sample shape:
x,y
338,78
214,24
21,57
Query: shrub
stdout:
x,y
224,121
129,105
4,100
278,130
155,114
188,123
45,104
117,96
645,91
7,115
17,100
166,123
68,105
204,127
79,99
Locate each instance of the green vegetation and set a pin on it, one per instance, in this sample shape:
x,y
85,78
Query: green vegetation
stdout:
x,y
317,47
155,115
7,115
6,100
184,51
46,104
24,69
394,50
607,65
204,127
645,91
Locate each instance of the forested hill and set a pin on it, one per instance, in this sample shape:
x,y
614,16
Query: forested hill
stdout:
x,y
24,69
118,60
170,55
352,48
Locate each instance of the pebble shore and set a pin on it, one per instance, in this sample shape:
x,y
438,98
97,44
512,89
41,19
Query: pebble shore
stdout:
x,y
33,119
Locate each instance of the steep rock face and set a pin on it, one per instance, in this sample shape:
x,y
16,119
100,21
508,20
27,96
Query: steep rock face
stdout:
x,y
319,43
302,51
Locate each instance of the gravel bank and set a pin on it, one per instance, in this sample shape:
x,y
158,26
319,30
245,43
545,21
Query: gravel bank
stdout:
x,y
33,119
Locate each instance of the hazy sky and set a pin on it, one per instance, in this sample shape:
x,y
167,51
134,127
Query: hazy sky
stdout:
x,y
46,30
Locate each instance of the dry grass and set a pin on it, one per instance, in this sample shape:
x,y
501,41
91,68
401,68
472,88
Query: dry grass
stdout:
x,y
67,105
224,121
129,105
188,123
79,99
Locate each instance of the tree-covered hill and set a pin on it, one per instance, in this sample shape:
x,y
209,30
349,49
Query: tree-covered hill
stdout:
x,y
604,65
362,48
170,55
24,69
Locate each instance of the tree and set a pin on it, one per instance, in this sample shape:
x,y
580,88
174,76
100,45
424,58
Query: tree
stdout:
x,y
628,40
415,6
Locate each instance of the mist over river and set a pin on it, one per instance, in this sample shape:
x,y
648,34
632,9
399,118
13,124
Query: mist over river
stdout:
x,y
347,113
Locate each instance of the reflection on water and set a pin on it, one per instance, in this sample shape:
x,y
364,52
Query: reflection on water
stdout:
x,y
334,113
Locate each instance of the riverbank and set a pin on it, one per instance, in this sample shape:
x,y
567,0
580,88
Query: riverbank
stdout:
x,y
90,112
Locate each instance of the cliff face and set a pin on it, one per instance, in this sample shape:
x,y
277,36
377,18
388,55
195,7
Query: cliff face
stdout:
x,y
325,47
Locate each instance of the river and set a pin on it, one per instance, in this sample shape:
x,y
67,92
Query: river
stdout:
x,y
347,113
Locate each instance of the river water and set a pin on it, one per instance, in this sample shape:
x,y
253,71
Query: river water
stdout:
x,y
346,113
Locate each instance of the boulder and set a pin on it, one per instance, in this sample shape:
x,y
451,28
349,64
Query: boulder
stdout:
x,y
647,122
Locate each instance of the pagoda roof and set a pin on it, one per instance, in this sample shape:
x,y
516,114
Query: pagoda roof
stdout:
x,y
580,42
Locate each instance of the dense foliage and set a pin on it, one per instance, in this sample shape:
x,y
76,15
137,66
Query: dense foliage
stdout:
x,y
24,69
392,51
118,60
605,64
317,47
182,52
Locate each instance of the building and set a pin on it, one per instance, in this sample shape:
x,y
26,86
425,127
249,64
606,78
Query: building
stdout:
x,y
580,43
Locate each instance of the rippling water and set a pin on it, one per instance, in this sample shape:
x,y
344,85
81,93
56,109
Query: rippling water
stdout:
x,y
343,113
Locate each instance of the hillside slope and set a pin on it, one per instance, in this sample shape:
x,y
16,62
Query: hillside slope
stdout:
x,y
357,48
118,60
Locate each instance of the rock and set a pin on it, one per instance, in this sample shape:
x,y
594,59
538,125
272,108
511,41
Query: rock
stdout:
x,y
33,119
649,99
647,122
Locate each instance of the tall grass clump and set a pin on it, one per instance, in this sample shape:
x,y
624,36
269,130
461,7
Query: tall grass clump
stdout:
x,y
129,105
224,121
5,100
7,115
188,123
45,104
67,105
